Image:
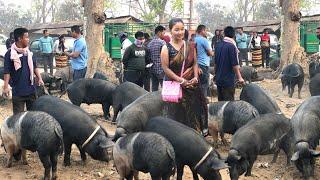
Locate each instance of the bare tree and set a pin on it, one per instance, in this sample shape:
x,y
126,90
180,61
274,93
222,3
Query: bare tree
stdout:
x,y
44,12
246,8
95,17
291,52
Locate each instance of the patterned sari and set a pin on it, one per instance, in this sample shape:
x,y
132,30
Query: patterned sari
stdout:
x,y
192,109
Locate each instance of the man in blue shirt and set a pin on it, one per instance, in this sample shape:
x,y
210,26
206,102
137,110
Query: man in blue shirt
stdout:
x,y
19,70
227,66
242,39
79,55
204,52
46,48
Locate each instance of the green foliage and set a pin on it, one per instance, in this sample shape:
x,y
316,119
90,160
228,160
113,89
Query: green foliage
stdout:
x,y
155,10
177,5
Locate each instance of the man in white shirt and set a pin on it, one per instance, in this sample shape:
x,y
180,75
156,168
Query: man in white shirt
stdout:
x,y
125,43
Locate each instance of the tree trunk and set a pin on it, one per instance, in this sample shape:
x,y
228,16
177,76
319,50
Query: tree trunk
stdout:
x,y
291,52
53,10
246,9
94,33
43,14
162,18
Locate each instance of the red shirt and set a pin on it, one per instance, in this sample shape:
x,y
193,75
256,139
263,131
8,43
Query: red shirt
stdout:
x,y
265,37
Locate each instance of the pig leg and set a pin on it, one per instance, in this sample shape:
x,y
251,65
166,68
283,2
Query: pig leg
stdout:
x,y
17,155
10,149
251,161
179,171
130,176
67,152
286,147
106,108
224,141
195,175
136,175
155,178
116,110
275,156
24,156
213,131
82,154
299,89
9,159
54,160
292,90
166,177
45,159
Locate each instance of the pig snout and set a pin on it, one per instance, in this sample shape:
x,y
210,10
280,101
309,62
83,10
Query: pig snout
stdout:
x,y
237,165
304,159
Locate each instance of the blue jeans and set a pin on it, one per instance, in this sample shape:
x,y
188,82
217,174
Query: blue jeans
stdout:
x,y
204,79
79,73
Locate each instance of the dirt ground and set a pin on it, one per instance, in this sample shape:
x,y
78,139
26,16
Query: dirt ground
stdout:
x,y
100,170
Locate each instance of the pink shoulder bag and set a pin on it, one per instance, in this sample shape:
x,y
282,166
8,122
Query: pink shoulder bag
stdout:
x,y
172,90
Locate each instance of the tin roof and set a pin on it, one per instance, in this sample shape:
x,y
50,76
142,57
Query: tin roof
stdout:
x,y
122,19
54,25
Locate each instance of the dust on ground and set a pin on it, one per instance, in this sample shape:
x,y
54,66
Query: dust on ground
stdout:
x,y
101,170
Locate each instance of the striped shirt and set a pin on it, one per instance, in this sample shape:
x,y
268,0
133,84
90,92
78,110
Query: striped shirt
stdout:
x,y
154,51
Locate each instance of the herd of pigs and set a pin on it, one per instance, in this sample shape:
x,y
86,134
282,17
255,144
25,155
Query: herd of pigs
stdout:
x,y
149,140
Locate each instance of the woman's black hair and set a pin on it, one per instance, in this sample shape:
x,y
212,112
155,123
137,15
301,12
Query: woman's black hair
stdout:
x,y
61,44
174,21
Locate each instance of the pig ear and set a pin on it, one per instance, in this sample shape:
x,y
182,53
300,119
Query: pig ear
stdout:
x,y
314,153
219,164
295,156
106,144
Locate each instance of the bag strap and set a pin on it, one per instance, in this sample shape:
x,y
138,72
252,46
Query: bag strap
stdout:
x,y
184,58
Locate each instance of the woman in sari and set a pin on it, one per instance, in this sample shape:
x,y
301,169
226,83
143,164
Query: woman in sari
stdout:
x,y
192,108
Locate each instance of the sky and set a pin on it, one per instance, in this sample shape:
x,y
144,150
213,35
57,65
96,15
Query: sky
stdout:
x,y
25,3
125,10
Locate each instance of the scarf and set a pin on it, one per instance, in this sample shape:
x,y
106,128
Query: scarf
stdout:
x,y
233,42
138,43
16,60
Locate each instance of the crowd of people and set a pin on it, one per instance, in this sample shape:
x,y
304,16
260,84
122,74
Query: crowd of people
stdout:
x,y
184,58
144,58
256,45
21,71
